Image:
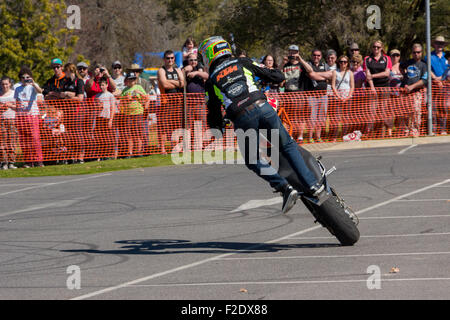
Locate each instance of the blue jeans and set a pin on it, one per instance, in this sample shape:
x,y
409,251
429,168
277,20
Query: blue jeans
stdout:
x,y
319,107
265,117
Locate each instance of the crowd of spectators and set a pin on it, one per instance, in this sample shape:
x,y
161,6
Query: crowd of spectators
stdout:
x,y
89,112
331,84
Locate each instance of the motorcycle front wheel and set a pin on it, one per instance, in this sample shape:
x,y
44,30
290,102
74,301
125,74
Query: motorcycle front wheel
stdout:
x,y
333,216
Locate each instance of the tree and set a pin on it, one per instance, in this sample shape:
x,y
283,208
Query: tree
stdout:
x,y
116,30
261,26
33,32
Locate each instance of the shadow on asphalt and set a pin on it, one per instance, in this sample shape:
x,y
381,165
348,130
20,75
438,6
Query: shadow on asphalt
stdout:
x,y
163,246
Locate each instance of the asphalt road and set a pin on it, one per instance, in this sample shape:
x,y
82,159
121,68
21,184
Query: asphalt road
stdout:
x,y
217,232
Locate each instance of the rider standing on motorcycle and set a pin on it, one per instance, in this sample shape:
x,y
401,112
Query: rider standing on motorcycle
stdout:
x,y
231,84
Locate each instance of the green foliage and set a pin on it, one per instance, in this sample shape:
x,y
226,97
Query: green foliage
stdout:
x,y
33,32
261,26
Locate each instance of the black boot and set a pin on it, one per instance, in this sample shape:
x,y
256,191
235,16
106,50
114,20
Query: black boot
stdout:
x,y
317,190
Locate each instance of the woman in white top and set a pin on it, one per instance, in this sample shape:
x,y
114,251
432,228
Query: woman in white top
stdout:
x,y
343,85
28,119
395,81
8,136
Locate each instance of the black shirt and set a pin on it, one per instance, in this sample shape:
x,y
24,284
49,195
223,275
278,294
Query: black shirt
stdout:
x,y
309,84
57,85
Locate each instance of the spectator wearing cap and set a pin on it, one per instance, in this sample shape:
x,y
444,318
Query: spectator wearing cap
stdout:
x,y
82,115
56,87
438,61
82,68
438,66
150,89
331,59
65,94
144,83
446,104
353,49
134,100
292,71
118,77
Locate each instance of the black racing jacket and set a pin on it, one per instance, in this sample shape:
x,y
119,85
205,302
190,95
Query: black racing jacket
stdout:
x,y
232,84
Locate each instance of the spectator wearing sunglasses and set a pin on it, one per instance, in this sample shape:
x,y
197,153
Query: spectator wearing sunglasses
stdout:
x,y
416,77
56,88
144,83
377,67
358,72
195,75
28,119
118,77
353,49
343,85
170,82
82,68
315,79
395,81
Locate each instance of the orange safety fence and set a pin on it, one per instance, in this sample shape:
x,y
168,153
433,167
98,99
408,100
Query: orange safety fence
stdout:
x,y
66,131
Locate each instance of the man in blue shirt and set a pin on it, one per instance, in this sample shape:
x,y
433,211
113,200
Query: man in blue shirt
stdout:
x,y
438,66
415,79
438,60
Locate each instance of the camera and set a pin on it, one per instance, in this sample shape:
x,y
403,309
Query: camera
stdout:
x,y
102,69
28,81
291,57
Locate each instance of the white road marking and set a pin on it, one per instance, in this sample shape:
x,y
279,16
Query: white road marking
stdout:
x,y
284,282
398,254
425,200
406,195
253,204
406,149
407,217
223,256
43,185
57,204
381,236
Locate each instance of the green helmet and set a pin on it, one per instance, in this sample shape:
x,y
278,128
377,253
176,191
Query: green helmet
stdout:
x,y
213,48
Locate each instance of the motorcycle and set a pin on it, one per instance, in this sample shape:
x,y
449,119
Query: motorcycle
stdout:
x,y
330,210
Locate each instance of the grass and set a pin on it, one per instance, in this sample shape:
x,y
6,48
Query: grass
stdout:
x,y
94,167
91,167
